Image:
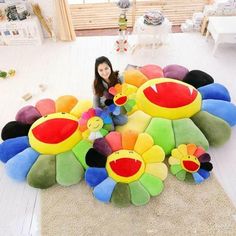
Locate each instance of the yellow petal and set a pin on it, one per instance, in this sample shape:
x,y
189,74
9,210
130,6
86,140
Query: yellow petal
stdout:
x,y
173,161
176,153
143,143
159,170
86,133
154,154
130,89
183,149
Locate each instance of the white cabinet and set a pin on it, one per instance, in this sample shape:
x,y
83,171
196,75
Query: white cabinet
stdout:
x,y
23,32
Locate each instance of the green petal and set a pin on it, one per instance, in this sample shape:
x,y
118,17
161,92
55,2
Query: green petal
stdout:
x,y
80,151
103,132
129,105
121,195
175,169
152,184
43,172
181,175
68,169
139,195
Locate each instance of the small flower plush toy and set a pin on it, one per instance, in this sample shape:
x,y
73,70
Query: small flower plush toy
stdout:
x,y
190,162
95,123
122,98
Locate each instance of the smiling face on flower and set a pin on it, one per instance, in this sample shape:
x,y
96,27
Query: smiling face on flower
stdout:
x,y
190,162
168,98
120,99
125,168
95,123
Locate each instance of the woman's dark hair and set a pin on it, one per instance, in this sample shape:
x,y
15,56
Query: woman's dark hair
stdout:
x,y
113,78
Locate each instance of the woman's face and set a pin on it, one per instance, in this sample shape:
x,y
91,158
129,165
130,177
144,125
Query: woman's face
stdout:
x,y
104,71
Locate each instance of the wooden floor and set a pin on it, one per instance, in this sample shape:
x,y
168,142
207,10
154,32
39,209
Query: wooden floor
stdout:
x,y
67,68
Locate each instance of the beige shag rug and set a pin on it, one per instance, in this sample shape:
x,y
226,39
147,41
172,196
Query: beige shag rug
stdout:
x,y
181,209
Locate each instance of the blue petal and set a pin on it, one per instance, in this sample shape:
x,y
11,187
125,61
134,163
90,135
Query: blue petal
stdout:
x,y
107,120
112,108
222,109
215,91
19,166
98,111
10,147
205,174
104,190
117,111
94,176
197,178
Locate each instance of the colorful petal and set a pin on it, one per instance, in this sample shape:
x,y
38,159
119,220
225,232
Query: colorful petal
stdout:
x,y
181,175
18,166
14,129
129,138
43,172
46,106
206,166
86,134
103,133
121,195
173,161
182,148
94,176
91,112
197,178
157,169
204,158
191,148
154,154
114,140
112,90
143,143
199,151
11,147
116,112
104,190
102,146
95,159
69,171
85,116
175,169
95,135
177,154
152,184
129,105
98,111
107,120
80,151
222,109
83,125
139,195
205,174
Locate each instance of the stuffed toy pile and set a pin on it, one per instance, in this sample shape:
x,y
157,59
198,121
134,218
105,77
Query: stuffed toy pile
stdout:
x,y
173,114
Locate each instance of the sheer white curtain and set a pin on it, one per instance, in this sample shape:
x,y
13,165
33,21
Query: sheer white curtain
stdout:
x,y
63,17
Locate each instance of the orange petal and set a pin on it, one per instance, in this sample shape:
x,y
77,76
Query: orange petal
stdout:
x,y
191,148
129,139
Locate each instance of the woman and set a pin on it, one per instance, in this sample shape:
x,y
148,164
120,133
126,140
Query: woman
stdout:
x,y
105,78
